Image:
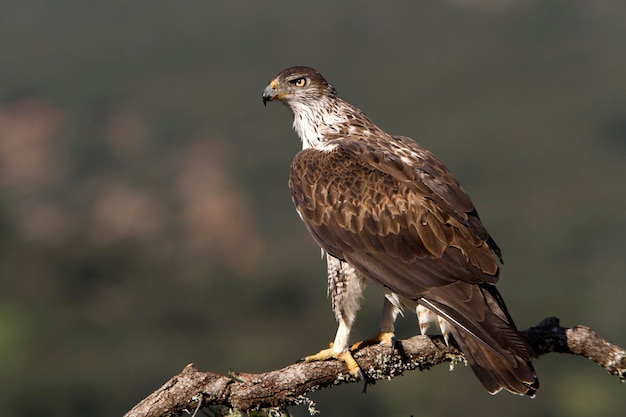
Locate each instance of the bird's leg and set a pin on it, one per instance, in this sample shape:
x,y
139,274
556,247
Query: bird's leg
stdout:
x,y
345,287
386,329
339,350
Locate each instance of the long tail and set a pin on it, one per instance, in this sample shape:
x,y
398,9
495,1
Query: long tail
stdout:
x,y
496,371
487,336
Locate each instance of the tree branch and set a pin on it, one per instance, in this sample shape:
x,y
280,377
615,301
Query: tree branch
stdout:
x,y
288,386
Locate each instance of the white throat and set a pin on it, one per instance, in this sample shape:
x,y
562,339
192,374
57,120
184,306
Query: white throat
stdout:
x,y
313,123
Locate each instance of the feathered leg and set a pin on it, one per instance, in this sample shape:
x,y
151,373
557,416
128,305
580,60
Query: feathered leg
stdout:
x,y
345,288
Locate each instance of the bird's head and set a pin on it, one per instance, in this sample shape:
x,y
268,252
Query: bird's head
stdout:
x,y
297,86
319,115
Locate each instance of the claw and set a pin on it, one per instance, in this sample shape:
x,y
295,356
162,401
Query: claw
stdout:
x,y
388,338
345,357
392,343
364,380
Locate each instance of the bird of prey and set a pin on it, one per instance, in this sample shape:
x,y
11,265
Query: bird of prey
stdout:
x,y
386,209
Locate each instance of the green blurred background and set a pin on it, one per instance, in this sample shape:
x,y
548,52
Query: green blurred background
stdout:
x,y
145,218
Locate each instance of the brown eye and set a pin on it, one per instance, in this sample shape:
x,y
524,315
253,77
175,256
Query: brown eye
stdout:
x,y
299,82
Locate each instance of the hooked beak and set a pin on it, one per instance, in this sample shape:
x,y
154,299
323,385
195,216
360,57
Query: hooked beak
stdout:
x,y
270,93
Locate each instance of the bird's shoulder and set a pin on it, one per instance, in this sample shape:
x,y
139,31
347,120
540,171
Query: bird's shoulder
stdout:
x,y
386,162
382,184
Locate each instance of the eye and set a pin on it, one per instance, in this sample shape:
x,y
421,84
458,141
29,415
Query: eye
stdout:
x,y
299,82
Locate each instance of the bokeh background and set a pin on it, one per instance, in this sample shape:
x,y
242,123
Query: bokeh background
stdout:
x,y
145,218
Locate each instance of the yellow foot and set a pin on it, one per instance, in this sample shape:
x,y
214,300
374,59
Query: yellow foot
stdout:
x,y
345,357
388,338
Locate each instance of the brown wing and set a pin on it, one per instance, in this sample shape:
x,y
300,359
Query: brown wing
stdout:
x,y
399,216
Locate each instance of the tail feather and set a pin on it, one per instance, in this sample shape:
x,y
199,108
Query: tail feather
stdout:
x,y
487,336
507,370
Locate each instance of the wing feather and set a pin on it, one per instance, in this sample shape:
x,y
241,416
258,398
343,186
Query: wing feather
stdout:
x,y
403,211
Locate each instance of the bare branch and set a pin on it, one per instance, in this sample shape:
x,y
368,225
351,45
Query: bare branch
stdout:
x,y
548,337
288,386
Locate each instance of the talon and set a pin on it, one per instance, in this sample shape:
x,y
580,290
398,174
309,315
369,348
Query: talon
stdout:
x,y
353,367
345,357
392,343
388,338
364,380
322,355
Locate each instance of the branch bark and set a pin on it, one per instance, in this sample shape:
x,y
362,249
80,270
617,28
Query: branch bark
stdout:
x,y
192,389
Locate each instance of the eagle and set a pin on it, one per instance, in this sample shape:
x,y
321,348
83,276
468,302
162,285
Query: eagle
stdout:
x,y
385,209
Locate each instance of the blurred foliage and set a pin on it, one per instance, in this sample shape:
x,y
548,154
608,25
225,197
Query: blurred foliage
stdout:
x,y
145,217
